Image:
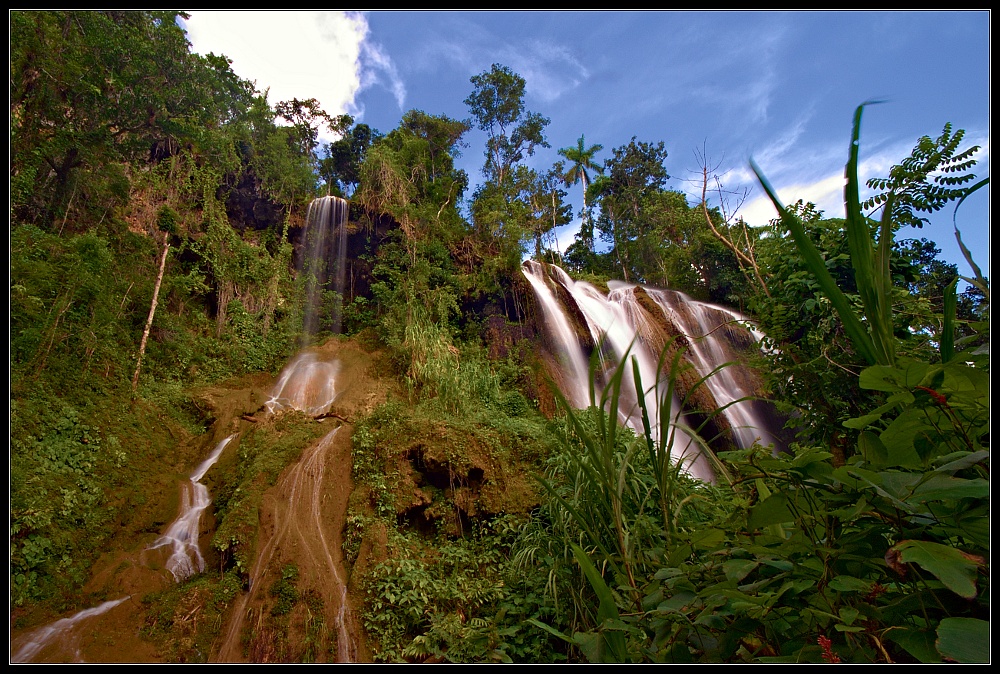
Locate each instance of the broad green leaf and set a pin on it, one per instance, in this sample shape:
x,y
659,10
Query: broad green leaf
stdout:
x,y
961,461
952,567
849,615
772,510
871,448
862,422
675,603
880,378
965,640
738,569
899,437
943,487
849,584
914,372
708,539
841,627
918,643
667,572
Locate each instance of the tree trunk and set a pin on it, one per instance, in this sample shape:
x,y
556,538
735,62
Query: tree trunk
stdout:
x,y
152,310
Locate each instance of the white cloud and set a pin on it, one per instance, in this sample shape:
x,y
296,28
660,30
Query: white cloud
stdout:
x,y
379,69
293,54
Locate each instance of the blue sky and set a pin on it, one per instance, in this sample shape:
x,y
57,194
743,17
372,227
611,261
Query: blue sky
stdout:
x,y
778,86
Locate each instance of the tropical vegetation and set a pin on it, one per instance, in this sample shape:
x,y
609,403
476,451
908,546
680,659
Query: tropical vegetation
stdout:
x,y
156,216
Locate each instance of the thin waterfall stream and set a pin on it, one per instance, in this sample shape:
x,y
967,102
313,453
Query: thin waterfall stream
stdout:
x,y
182,536
307,384
185,559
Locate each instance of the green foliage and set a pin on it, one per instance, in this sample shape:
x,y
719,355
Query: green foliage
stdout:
x,y
497,103
879,555
284,591
935,174
461,602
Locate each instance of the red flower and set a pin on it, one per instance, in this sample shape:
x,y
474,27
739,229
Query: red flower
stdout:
x,y
828,653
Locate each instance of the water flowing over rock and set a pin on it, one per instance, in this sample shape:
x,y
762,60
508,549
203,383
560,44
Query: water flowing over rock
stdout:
x,y
307,383
182,536
302,491
32,644
642,322
324,265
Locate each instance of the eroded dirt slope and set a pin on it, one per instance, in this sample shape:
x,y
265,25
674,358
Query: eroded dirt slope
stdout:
x,y
301,521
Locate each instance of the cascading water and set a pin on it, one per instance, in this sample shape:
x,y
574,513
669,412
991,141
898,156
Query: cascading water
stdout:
x,y
308,384
712,331
32,644
182,536
303,484
324,264
638,321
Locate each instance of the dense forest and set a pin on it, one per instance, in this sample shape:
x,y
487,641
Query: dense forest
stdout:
x,y
158,216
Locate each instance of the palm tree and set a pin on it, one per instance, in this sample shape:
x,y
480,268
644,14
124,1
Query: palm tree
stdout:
x,y
581,159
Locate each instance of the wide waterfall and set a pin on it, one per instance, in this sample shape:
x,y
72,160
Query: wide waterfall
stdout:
x,y
640,322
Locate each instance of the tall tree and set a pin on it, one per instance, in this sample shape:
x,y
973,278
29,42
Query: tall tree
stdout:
x,y
497,103
581,160
548,207
501,206
635,174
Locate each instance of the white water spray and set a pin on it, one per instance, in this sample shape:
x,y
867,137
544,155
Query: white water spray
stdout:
x,y
182,535
620,325
32,643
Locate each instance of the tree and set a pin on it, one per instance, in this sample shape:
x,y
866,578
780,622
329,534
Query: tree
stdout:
x,y
634,174
306,118
167,224
926,181
547,205
581,160
497,103
340,166
92,92
736,236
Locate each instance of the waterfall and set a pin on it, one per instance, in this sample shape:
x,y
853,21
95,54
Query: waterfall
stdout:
x,y
307,383
323,264
640,321
32,643
182,536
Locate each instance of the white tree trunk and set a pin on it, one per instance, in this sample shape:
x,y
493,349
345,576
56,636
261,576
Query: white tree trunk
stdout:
x,y
152,310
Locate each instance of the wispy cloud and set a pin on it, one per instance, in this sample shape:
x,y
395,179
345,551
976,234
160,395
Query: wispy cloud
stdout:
x,y
378,68
827,189
550,67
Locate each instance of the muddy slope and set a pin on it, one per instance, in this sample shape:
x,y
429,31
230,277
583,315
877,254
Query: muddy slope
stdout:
x,y
301,520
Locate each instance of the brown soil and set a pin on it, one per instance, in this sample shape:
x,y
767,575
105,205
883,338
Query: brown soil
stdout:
x,y
301,522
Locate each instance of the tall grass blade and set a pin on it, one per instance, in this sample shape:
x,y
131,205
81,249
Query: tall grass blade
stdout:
x,y
853,326
607,611
871,276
